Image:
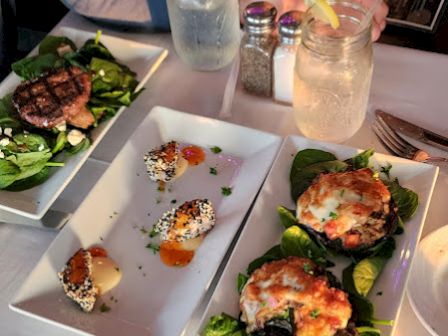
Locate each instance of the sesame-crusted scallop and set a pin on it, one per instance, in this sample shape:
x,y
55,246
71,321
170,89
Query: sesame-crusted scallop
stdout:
x,y
190,220
165,163
87,275
182,230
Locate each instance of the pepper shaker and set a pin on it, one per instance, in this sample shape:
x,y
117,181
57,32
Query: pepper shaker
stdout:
x,y
285,55
257,48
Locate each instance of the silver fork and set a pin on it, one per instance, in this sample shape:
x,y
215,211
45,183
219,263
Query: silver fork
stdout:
x,y
398,146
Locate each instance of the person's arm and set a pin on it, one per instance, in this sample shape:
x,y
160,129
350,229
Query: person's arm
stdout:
x,y
379,19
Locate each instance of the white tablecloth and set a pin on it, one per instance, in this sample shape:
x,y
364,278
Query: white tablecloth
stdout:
x,y
407,82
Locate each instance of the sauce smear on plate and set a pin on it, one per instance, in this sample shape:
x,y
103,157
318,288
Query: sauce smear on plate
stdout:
x,y
193,154
172,254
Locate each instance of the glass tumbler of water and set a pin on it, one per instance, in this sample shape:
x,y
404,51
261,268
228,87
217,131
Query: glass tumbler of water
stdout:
x,y
206,33
332,74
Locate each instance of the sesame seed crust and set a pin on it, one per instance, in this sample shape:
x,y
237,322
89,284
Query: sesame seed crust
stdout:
x,y
188,221
161,163
76,280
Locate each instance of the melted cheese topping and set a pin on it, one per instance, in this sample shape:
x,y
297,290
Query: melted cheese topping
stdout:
x,y
290,283
340,202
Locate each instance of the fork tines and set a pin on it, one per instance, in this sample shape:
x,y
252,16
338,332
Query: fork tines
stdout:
x,y
393,142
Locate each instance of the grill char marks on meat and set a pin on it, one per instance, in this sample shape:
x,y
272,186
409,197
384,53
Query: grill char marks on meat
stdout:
x,y
57,96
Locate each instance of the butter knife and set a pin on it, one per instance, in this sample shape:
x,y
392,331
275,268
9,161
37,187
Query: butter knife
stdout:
x,y
415,132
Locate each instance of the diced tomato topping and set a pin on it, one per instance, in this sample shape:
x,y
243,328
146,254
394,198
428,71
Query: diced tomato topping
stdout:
x,y
352,240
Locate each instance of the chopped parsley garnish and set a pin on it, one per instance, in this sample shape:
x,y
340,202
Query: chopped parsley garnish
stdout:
x,y
104,308
153,233
226,191
153,247
213,171
216,150
379,293
386,170
173,201
314,313
143,230
307,268
333,215
158,201
140,267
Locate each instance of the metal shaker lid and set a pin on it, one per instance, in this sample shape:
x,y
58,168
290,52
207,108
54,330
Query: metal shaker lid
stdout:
x,y
260,17
289,24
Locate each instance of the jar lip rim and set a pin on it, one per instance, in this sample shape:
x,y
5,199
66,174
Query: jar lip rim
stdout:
x,y
308,18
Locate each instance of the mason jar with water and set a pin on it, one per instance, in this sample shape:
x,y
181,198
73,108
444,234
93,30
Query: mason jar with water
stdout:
x,y
332,74
206,33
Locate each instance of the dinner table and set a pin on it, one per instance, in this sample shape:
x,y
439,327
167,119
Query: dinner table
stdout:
x,y
409,83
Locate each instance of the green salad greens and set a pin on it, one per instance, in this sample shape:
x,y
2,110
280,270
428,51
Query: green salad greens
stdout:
x,y
27,153
359,277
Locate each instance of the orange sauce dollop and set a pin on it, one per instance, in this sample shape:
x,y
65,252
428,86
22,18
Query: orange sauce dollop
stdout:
x,y
172,255
193,154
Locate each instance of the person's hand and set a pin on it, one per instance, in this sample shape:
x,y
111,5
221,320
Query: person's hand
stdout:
x,y
378,21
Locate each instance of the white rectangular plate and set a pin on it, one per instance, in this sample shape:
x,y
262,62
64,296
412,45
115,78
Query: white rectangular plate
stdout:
x,y
143,59
263,229
153,299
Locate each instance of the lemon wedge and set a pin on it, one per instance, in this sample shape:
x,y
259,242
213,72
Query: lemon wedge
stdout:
x,y
321,10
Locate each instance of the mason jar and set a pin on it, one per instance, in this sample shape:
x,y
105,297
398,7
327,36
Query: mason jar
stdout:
x,y
332,74
206,33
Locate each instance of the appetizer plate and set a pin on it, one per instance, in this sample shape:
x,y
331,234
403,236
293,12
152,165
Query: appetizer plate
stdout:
x,y
153,299
144,59
428,287
263,230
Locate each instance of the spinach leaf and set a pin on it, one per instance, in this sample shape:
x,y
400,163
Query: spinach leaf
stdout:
x,y
400,226
241,282
61,140
29,163
8,173
406,199
83,145
8,114
31,181
363,309
274,253
296,242
30,142
223,325
32,67
51,43
93,48
287,216
304,177
366,272
361,160
307,157
109,75
368,331
384,249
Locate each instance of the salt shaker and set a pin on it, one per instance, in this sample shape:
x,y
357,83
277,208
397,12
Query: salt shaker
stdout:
x,y
257,48
285,55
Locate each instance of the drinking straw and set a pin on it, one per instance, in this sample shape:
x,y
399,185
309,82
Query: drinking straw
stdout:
x,y
368,17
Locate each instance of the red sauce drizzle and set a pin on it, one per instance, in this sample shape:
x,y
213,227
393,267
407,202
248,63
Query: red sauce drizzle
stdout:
x,y
193,154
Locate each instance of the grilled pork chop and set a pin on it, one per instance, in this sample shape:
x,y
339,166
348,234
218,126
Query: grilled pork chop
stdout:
x,y
58,96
